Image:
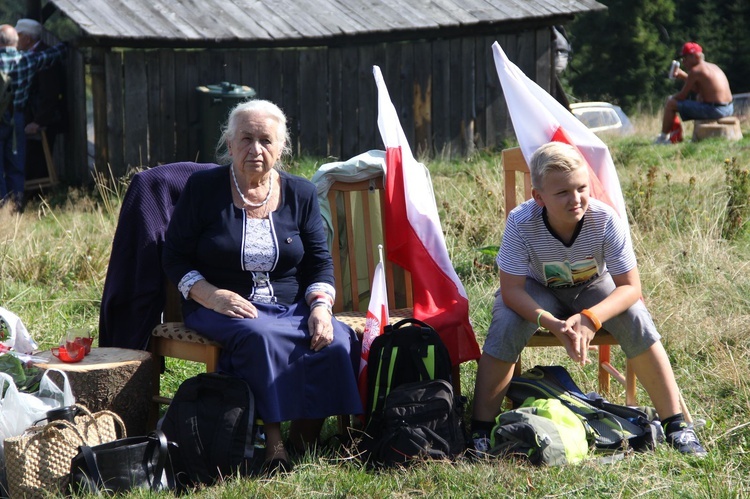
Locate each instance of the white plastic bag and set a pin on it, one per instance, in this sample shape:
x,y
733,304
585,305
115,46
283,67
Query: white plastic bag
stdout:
x,y
19,410
13,334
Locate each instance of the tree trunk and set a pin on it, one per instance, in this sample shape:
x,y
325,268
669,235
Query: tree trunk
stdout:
x,y
116,379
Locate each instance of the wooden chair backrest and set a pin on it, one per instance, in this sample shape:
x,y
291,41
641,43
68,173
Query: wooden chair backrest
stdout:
x,y
358,224
514,162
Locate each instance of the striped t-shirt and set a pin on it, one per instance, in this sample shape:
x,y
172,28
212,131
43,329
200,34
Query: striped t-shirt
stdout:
x,y
529,248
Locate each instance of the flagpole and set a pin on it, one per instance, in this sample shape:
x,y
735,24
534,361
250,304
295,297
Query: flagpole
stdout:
x,y
380,252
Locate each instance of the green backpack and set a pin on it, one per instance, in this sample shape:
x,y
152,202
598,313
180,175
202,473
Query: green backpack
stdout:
x,y
542,430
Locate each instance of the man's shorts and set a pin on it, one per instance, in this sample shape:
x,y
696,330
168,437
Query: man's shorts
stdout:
x,y
695,110
509,333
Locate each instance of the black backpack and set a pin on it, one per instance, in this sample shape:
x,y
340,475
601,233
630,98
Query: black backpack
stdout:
x,y
419,420
407,351
411,408
210,420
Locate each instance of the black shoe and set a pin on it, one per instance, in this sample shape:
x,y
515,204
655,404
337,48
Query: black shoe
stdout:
x,y
275,467
685,441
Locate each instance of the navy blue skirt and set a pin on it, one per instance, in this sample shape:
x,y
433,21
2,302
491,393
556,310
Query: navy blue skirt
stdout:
x,y
272,353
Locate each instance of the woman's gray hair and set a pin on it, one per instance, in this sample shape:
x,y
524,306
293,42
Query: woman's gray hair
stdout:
x,y
265,107
553,156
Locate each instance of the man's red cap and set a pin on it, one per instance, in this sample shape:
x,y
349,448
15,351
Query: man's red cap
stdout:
x,y
691,48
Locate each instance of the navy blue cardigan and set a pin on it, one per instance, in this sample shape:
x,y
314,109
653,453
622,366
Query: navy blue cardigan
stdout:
x,y
133,296
206,230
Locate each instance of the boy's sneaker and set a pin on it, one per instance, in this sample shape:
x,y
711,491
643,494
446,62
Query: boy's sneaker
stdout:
x,y
685,441
480,445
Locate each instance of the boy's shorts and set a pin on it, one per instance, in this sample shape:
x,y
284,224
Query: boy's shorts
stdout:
x,y
509,333
696,110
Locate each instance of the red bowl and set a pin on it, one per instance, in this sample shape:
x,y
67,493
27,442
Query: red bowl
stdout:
x,y
75,353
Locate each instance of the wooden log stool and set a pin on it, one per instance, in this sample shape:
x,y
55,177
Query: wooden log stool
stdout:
x,y
116,379
728,128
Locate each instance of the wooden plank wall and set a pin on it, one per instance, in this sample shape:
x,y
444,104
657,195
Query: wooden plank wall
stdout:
x,y
446,93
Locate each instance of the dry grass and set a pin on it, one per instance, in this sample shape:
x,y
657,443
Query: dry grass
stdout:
x,y
697,285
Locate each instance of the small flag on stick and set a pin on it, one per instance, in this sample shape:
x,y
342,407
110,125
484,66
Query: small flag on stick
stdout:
x,y
377,319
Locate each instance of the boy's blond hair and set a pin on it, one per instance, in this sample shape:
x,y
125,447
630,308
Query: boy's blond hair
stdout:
x,y
553,157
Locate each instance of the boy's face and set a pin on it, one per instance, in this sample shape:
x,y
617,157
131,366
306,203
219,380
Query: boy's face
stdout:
x,y
566,197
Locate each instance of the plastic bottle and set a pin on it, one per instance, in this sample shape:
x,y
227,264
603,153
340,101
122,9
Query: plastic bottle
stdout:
x,y
672,68
260,435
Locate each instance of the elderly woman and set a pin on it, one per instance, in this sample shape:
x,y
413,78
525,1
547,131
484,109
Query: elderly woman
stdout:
x,y
247,249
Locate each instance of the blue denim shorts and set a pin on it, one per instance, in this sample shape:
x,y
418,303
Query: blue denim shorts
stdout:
x,y
695,110
509,333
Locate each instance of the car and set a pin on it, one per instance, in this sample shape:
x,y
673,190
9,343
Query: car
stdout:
x,y
742,105
602,117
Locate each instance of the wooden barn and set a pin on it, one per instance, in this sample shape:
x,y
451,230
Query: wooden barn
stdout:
x,y
140,61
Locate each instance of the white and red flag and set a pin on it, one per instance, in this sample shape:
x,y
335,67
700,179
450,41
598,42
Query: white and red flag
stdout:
x,y
377,319
415,239
538,118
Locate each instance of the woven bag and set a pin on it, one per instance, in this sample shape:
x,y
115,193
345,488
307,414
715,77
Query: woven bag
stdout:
x,y
37,463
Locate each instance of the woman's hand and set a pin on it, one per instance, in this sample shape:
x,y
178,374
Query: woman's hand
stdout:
x,y
230,303
321,328
222,301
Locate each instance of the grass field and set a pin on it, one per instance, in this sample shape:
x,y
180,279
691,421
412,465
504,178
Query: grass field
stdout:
x,y
688,211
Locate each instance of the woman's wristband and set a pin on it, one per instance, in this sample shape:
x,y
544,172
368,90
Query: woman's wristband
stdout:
x,y
320,297
321,302
593,318
539,319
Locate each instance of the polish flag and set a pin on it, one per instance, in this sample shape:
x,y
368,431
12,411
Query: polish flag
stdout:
x,y
377,319
415,239
538,118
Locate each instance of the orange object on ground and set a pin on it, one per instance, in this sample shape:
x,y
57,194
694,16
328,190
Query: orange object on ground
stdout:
x,y
675,133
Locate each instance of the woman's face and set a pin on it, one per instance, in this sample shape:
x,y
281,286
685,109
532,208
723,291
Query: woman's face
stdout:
x,y
255,146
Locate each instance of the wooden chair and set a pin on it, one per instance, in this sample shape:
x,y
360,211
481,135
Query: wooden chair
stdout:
x,y
513,163
172,339
358,234
51,179
354,251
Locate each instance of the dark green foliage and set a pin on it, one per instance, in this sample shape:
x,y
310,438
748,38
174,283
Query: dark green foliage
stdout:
x,y
622,54
13,10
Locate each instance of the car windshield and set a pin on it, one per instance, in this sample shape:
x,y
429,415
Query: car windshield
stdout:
x,y
598,118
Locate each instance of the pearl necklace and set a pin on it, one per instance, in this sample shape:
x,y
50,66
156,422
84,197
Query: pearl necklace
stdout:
x,y
244,199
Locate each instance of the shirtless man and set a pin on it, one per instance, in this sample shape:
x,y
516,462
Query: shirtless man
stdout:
x,y
706,80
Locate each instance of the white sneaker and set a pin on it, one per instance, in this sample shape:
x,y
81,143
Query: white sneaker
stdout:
x,y
662,139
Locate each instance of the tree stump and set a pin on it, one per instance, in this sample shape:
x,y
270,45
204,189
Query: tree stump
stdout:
x,y
728,128
116,379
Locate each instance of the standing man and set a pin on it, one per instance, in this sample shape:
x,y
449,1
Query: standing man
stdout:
x,y
21,67
707,81
44,109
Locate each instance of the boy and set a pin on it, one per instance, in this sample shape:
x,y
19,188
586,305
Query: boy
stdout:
x,y
567,264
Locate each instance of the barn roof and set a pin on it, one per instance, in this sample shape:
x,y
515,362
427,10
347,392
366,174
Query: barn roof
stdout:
x,y
193,23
